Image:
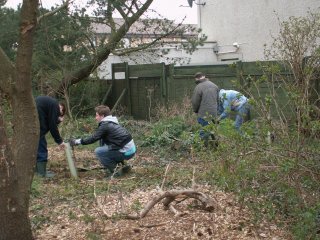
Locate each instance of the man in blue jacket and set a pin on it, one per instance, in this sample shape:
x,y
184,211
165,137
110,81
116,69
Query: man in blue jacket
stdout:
x,y
233,101
50,113
116,143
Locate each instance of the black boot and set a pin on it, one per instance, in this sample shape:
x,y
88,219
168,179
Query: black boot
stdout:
x,y
113,171
125,169
41,169
112,174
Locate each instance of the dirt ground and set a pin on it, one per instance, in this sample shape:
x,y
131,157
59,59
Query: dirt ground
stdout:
x,y
97,215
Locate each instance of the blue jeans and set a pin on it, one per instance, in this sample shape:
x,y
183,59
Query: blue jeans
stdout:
x,y
242,112
203,123
110,158
42,155
205,135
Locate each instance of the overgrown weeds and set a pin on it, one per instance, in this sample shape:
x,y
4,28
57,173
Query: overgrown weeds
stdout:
x,y
277,178
275,175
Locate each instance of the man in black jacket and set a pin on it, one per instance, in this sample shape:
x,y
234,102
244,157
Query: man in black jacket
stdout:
x,y
116,143
50,113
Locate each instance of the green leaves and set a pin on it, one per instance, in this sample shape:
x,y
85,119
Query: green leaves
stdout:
x,y
165,132
9,22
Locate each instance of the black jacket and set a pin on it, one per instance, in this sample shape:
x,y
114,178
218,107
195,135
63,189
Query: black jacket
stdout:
x,y
49,112
109,132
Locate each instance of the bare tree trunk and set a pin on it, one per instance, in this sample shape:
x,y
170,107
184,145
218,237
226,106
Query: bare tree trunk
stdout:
x,y
18,148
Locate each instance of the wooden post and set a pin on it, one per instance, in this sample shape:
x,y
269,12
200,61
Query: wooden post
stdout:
x,y
239,75
127,79
119,99
163,84
169,82
106,95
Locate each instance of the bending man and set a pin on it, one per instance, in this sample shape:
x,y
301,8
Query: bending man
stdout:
x,y
50,113
233,101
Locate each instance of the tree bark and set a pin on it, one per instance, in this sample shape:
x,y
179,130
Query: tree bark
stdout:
x,y
18,147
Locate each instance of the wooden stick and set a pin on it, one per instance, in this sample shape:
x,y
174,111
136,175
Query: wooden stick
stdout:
x,y
165,177
153,225
193,184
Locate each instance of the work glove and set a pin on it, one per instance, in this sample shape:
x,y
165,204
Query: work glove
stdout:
x,y
75,142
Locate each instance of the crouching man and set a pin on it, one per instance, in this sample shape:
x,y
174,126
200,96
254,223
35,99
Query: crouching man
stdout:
x,y
116,143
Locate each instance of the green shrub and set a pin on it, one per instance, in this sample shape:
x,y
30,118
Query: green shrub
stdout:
x,y
165,132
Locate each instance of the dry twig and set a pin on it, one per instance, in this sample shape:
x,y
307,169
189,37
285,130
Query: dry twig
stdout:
x,y
98,200
165,177
154,225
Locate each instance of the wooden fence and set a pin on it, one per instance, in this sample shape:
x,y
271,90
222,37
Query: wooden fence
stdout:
x,y
142,87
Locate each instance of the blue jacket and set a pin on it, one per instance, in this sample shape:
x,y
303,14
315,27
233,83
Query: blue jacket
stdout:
x,y
230,100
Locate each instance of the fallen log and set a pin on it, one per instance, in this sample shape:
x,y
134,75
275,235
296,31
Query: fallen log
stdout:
x,y
167,197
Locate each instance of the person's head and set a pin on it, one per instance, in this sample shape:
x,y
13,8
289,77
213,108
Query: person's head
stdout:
x,y
63,109
101,112
199,76
222,94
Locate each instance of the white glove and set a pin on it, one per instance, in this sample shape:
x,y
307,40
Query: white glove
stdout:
x,y
75,142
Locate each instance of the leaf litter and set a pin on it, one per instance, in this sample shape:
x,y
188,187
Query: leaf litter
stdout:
x,y
99,216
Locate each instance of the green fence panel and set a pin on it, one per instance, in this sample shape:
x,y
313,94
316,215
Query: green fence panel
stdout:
x,y
154,85
146,70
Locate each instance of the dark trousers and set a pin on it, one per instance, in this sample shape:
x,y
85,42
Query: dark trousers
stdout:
x,y
205,135
110,158
42,155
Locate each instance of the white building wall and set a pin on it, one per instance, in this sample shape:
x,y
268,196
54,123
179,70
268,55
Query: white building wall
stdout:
x,y
250,23
204,55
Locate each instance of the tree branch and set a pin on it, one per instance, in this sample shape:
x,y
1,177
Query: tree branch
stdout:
x,y
64,5
113,41
122,52
110,18
207,203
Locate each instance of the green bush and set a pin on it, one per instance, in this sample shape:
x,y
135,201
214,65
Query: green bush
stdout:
x,y
165,132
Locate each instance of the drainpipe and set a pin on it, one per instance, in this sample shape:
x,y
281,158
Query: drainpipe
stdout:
x,y
199,16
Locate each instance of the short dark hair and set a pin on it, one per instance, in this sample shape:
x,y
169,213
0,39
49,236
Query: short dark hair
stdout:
x,y
103,110
199,75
